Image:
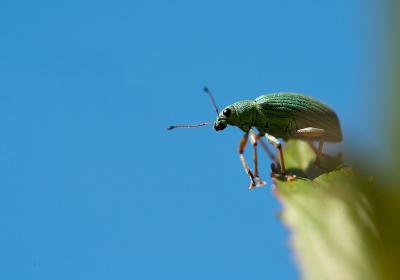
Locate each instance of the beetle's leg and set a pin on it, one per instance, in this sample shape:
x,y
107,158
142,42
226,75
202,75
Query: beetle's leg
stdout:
x,y
242,145
265,147
313,132
271,139
317,161
311,144
253,140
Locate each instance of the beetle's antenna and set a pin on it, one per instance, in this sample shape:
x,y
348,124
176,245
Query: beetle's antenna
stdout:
x,y
201,124
212,99
187,126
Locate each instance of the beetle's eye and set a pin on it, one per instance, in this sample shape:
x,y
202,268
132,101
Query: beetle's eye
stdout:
x,y
227,112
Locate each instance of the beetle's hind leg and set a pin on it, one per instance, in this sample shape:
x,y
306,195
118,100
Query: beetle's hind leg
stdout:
x,y
313,132
311,144
254,139
317,161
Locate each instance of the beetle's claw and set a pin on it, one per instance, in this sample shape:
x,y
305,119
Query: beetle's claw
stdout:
x,y
275,174
290,177
252,185
260,182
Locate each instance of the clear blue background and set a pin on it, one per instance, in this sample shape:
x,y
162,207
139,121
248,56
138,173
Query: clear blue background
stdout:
x,y
93,186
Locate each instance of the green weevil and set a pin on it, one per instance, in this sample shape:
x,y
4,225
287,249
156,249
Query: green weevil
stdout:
x,y
283,115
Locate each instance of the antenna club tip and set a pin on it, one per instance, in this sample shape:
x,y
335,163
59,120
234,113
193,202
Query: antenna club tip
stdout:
x,y
170,127
206,89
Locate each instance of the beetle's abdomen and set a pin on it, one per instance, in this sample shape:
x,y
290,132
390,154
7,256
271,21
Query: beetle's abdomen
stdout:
x,y
299,111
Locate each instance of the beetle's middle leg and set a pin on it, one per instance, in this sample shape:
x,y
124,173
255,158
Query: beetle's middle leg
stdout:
x,y
242,145
271,139
265,147
313,132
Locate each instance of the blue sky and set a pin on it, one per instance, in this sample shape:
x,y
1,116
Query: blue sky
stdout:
x,y
93,186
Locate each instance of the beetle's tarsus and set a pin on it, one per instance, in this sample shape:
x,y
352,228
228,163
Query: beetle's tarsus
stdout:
x,y
275,174
260,182
290,177
252,182
252,185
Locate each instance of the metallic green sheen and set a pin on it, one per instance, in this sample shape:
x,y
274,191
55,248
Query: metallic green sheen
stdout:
x,y
279,113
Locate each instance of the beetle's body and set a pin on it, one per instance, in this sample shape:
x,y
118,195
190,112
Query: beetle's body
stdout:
x,y
279,113
283,115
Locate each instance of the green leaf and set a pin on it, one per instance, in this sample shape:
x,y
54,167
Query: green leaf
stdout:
x,y
333,231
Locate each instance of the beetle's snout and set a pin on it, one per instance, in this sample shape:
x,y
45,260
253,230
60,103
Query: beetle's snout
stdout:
x,y
219,125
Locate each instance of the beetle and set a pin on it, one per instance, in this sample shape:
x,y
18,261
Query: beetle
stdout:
x,y
285,115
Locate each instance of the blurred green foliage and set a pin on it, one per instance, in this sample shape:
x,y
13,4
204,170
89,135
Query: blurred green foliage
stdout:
x,y
344,226
336,229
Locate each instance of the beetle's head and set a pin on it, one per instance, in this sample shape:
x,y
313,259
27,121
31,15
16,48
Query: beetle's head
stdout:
x,y
240,114
222,121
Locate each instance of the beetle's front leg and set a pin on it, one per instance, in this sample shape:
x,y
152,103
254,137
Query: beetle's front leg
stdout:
x,y
242,145
254,139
